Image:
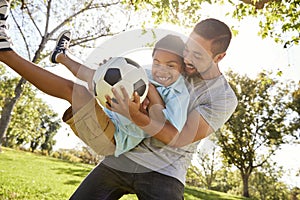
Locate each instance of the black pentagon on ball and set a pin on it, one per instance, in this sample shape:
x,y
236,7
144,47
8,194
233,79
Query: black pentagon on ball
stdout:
x,y
139,87
129,61
112,76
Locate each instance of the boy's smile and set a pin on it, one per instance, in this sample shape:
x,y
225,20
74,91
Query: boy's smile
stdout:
x,y
166,67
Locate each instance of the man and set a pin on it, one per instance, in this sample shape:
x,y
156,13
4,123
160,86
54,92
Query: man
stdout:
x,y
157,167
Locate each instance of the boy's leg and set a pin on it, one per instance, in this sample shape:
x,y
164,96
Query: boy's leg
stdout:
x,y
59,55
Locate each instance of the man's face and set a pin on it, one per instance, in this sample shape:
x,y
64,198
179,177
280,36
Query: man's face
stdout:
x,y
197,55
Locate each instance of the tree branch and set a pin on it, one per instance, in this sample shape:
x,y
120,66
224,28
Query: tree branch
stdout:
x,y
22,34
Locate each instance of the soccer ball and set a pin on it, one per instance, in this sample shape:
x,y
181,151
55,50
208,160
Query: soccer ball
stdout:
x,y
116,72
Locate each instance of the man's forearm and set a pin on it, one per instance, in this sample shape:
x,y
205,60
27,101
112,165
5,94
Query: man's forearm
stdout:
x,y
156,125
195,129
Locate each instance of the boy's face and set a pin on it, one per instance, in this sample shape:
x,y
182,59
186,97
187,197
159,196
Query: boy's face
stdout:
x,y
197,54
166,67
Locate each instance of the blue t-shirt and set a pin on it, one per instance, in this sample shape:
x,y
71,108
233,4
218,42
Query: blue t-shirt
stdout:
x,y
176,98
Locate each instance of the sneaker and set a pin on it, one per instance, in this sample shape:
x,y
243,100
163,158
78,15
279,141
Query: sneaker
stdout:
x,y
4,9
63,42
5,43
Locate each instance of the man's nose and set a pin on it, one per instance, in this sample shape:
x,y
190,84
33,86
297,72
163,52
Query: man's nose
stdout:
x,y
186,56
187,61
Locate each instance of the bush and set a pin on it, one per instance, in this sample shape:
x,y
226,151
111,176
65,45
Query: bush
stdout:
x,y
83,156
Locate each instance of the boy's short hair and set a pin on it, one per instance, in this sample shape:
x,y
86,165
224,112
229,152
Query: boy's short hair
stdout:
x,y
171,43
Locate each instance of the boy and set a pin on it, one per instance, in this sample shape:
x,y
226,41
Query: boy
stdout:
x,y
165,75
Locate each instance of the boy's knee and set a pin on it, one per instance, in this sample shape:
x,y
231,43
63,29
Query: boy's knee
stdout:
x,y
80,95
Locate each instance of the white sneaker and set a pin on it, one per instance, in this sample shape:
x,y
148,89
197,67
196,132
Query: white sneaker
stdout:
x,y
5,43
4,9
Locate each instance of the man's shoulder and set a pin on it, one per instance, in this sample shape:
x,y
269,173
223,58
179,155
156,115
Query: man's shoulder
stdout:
x,y
214,100
213,87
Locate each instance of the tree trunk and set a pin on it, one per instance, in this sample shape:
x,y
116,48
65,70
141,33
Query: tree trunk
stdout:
x,y
245,178
7,109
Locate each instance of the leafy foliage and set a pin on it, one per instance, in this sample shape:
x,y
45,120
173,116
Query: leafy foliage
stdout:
x,y
294,105
266,184
39,23
194,177
85,155
228,180
279,20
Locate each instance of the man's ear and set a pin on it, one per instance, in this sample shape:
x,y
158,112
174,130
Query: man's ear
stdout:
x,y
219,57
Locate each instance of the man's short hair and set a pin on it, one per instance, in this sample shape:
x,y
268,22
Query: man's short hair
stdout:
x,y
215,31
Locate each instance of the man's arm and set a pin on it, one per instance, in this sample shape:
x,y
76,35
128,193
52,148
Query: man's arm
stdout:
x,y
195,128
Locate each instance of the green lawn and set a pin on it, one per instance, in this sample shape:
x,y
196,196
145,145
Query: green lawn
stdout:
x,y
26,176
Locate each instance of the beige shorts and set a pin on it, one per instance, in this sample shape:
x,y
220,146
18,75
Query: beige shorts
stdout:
x,y
93,127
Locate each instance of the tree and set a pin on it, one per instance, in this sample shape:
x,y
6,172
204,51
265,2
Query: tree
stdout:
x,y
194,176
46,130
295,193
33,122
208,163
47,18
7,92
51,127
259,125
228,180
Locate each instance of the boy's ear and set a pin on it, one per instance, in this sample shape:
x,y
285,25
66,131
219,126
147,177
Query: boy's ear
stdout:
x,y
219,57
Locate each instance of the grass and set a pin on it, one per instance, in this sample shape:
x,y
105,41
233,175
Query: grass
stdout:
x,y
27,176
193,193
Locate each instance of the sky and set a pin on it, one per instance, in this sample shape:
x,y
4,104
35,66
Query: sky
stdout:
x,y
248,54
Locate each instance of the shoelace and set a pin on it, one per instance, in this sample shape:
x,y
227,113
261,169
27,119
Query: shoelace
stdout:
x,y
61,47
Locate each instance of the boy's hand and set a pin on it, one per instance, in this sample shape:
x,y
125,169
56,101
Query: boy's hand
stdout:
x,y
124,105
154,97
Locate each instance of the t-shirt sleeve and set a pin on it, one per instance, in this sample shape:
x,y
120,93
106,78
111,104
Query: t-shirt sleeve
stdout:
x,y
218,109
